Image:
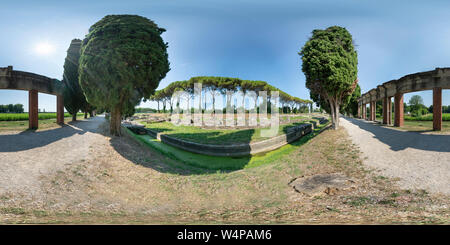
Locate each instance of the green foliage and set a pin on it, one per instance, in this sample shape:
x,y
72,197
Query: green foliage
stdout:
x,y
221,85
10,108
329,62
415,100
74,99
145,110
416,106
351,108
123,59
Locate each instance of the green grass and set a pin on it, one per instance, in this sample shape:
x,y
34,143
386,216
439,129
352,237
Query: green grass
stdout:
x,y
222,163
217,136
24,116
44,124
424,126
427,117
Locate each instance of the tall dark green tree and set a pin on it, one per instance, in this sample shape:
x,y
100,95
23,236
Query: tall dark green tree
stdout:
x,y
351,108
123,59
74,99
329,62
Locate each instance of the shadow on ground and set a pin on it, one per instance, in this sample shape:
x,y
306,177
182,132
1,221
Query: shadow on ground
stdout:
x,y
400,140
30,139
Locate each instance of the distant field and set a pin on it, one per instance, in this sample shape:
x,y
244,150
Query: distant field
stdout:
x,y
24,116
427,117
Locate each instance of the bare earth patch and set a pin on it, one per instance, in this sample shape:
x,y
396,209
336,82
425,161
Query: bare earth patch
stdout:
x,y
115,180
320,184
418,160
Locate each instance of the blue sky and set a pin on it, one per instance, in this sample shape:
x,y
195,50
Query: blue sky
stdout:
x,y
249,39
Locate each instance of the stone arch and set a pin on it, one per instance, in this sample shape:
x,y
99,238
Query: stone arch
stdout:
x,y
34,84
435,80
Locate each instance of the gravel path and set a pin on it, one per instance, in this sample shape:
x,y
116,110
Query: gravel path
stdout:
x,y
419,160
27,156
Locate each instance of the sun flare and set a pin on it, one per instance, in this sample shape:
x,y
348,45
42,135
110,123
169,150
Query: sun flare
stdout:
x,y
44,48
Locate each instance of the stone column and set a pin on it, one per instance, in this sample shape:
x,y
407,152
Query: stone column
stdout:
x,y
372,110
60,109
398,107
389,107
364,108
359,111
437,109
385,111
33,109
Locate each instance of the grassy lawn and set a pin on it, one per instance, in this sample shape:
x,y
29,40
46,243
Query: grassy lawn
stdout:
x,y
424,123
427,117
44,124
217,163
218,136
420,126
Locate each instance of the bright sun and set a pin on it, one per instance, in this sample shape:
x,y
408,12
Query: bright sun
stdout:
x,y
44,48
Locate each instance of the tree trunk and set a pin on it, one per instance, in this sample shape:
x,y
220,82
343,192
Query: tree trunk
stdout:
x,y
256,105
228,101
337,115
91,114
158,106
333,118
214,104
85,114
243,103
74,117
115,121
204,101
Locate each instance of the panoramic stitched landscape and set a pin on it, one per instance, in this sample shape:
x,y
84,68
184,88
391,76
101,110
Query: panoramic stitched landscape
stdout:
x,y
125,135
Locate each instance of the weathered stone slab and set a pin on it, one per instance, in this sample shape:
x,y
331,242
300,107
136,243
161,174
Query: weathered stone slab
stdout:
x,y
321,184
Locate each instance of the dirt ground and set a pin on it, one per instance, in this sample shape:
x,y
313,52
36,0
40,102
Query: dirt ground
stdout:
x,y
96,178
420,160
